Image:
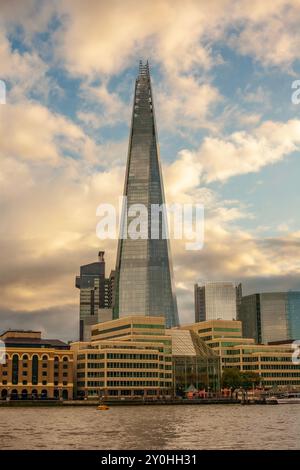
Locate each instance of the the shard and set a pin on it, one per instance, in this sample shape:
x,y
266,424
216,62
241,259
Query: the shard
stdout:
x,y
144,274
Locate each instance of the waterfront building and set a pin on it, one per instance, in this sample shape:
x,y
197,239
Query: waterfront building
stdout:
x,y
273,362
127,357
216,300
96,292
271,316
194,363
144,275
35,367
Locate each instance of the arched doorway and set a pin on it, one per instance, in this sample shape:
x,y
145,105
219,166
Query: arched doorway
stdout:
x,y
44,394
34,394
24,394
4,394
56,394
14,394
65,394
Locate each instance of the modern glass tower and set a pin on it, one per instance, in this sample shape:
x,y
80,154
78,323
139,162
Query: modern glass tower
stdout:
x,y
271,316
216,300
144,274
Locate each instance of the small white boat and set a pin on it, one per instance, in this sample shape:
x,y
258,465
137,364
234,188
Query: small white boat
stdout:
x,y
287,398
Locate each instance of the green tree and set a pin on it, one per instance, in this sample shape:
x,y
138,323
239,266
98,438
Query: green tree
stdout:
x,y
250,379
232,378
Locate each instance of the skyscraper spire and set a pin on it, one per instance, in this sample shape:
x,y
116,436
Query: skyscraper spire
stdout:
x,y
144,278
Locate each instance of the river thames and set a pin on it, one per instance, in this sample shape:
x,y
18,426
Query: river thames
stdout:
x,y
152,427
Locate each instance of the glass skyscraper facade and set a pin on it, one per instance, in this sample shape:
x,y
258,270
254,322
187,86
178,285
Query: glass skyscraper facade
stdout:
x,y
144,277
271,316
293,314
96,292
216,300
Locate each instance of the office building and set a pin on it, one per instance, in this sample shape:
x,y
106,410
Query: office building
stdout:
x,y
127,357
95,296
144,275
271,316
34,367
216,300
273,362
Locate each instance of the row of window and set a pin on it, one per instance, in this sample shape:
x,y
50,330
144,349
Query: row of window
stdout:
x,y
44,382
132,374
81,357
283,367
25,357
268,383
109,330
95,392
45,365
132,356
123,365
280,374
148,383
132,365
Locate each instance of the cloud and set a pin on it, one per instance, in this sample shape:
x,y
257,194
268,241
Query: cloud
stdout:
x,y
24,72
271,36
110,36
242,152
101,107
58,322
54,172
186,104
30,131
52,177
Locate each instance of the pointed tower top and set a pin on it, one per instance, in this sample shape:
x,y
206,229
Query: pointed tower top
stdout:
x,y
144,70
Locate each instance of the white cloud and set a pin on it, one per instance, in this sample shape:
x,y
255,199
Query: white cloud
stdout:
x,y
242,152
30,131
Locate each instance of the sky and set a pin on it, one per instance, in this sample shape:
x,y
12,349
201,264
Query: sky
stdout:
x,y
222,74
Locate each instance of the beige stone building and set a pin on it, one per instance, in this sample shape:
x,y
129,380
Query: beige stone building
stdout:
x,y
272,362
128,357
35,368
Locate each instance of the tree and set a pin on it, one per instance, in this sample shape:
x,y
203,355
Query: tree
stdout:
x,y
250,379
232,378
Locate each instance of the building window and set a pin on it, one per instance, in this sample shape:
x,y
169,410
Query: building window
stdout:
x,y
24,382
15,369
35,369
44,382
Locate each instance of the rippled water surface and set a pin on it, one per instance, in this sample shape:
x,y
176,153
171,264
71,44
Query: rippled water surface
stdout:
x,y
152,427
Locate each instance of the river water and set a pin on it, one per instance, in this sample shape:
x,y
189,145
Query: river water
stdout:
x,y
152,427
